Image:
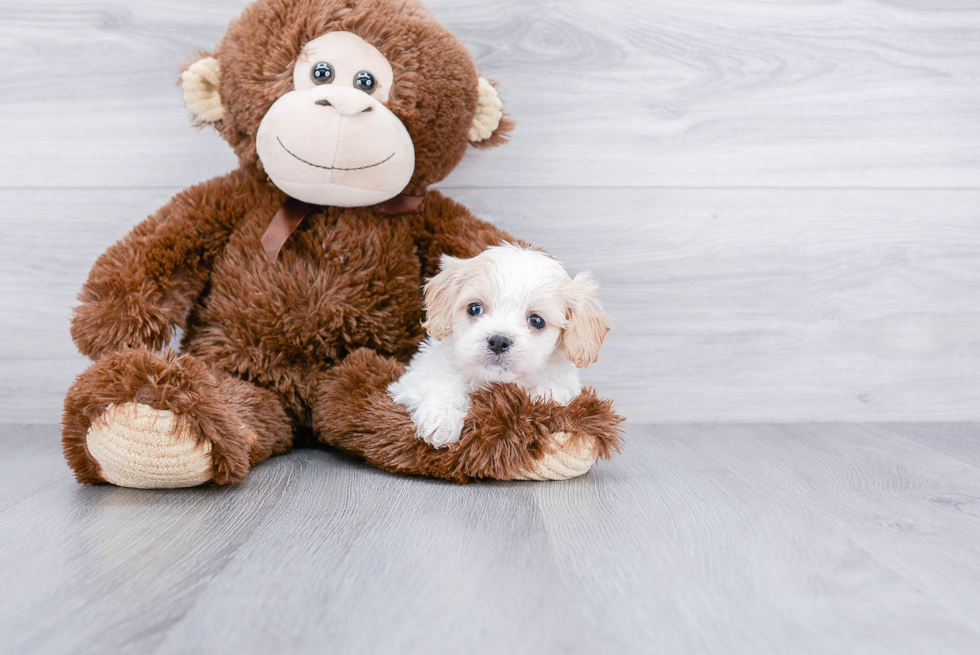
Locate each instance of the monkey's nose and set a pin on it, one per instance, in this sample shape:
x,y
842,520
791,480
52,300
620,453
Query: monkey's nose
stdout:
x,y
499,343
348,102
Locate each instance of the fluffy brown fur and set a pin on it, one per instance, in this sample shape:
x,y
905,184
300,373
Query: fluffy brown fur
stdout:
x,y
435,90
244,424
505,431
309,341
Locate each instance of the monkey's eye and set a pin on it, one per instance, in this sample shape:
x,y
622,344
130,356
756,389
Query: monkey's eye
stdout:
x,y
536,322
322,73
365,82
474,309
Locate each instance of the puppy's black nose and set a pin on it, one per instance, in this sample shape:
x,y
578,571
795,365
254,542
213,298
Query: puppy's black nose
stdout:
x,y
498,343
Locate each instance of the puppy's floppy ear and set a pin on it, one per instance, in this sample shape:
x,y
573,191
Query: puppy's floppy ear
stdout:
x,y
491,126
440,297
587,325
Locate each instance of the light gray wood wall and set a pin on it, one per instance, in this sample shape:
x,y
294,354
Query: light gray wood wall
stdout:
x,y
781,199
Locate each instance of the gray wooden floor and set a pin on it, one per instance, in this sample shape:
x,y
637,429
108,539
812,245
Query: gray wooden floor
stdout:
x,y
698,539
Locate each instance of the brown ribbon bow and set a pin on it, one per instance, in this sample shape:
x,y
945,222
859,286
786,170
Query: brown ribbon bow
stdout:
x,y
293,211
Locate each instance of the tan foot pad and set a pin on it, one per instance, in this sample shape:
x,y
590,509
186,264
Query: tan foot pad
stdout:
x,y
563,464
144,448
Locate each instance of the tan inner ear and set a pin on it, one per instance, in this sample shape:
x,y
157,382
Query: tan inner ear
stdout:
x,y
440,298
489,112
200,84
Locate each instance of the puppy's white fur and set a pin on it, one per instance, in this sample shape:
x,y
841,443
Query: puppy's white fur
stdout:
x,y
511,284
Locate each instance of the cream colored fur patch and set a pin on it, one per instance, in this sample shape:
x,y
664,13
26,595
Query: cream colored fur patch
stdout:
x,y
200,84
564,463
489,112
144,448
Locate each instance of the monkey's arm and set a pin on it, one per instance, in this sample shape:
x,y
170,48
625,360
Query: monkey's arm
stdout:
x,y
506,436
143,286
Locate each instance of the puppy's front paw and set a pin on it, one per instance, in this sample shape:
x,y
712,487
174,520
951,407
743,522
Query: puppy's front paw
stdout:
x,y
438,425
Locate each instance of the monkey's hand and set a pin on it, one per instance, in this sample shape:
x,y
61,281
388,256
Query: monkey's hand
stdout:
x,y
145,285
109,321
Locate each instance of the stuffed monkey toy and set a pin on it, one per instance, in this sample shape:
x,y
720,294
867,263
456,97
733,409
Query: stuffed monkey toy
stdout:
x,y
296,279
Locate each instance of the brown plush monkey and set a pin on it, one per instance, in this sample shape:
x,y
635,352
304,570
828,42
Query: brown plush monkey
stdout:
x,y
296,278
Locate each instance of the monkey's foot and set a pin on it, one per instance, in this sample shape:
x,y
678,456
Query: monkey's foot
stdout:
x,y
145,448
570,459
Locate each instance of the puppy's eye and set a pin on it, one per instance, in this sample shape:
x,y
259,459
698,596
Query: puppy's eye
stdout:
x,y
365,82
322,73
474,309
536,322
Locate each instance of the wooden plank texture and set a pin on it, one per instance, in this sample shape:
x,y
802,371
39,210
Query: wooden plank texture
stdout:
x,y
730,305
749,539
616,93
782,203
780,198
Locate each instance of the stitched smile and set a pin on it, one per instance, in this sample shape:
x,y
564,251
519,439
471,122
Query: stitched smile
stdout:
x,y
333,168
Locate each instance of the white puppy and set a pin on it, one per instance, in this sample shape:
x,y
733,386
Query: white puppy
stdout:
x,y
509,314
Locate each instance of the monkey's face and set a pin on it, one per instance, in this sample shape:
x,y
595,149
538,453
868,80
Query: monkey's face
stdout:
x,y
332,140
345,102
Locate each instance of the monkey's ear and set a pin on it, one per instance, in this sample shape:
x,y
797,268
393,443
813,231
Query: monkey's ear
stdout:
x,y
490,126
200,83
